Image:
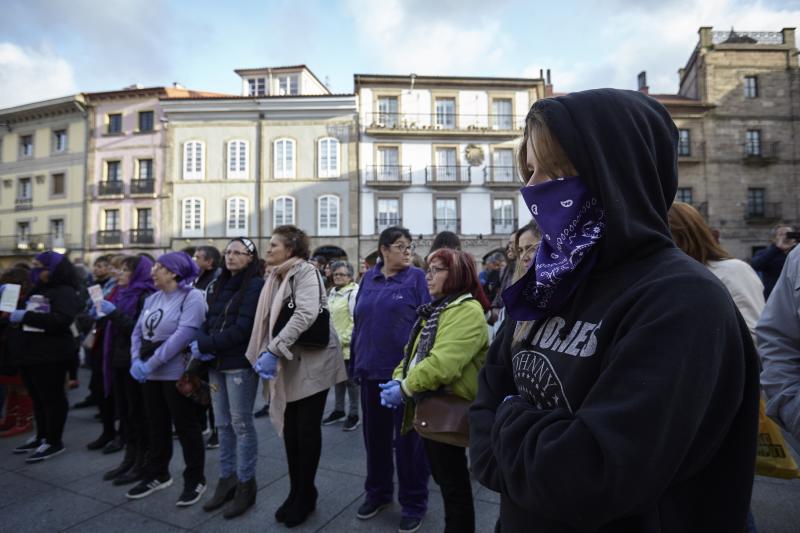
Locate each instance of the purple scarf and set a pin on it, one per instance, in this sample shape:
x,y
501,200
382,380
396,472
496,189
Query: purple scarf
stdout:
x,y
127,301
572,222
49,260
181,264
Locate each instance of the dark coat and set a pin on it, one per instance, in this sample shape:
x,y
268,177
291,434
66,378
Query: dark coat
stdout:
x,y
123,325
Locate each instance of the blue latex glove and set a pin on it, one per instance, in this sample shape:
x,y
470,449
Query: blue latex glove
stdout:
x,y
391,395
139,371
107,307
266,365
16,316
196,354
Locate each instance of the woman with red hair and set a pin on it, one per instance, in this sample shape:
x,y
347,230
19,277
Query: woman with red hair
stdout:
x,y
445,352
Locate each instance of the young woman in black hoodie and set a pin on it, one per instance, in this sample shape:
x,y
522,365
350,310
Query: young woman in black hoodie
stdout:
x,y
45,345
623,392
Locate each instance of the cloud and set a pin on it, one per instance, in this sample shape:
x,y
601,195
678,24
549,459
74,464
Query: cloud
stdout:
x,y
28,75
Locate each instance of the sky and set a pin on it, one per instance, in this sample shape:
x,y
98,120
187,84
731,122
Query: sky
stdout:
x,y
52,48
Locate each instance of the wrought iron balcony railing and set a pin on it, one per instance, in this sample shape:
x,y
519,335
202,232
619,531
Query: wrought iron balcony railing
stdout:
x,y
390,175
143,186
446,224
142,236
386,221
447,175
109,236
434,122
503,226
501,176
23,204
110,188
763,211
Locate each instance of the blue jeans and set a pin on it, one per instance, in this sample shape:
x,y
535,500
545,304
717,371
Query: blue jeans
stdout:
x,y
233,402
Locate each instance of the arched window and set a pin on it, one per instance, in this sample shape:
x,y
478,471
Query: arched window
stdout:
x,y
192,217
328,165
236,217
194,160
282,211
328,215
237,159
284,158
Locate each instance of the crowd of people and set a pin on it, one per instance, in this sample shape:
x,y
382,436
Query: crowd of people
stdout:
x,y
600,372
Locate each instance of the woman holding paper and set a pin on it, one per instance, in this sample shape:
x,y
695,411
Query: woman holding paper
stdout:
x,y
44,344
14,286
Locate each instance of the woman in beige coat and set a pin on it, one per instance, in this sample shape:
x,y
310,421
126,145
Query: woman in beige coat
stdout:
x,y
301,374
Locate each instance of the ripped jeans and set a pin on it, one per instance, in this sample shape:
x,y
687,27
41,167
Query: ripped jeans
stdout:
x,y
233,402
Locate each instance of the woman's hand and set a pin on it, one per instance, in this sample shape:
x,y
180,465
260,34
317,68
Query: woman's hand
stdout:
x,y
266,365
140,371
196,354
391,395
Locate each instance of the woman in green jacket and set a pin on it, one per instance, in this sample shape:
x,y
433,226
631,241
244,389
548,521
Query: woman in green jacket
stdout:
x,y
445,352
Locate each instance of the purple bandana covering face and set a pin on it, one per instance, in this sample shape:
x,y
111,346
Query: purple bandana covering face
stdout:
x,y
572,222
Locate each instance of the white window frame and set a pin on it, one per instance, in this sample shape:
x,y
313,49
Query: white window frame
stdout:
x,y
326,148
57,140
332,212
280,169
286,219
238,154
256,83
117,220
501,205
287,79
391,216
236,216
193,166
194,226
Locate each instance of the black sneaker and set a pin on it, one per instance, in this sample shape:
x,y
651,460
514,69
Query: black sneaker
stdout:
x,y
149,486
29,446
336,416
409,525
44,452
190,495
213,441
86,402
351,423
261,413
369,510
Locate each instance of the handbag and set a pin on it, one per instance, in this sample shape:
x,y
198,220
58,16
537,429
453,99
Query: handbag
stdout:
x,y
773,457
443,417
191,385
318,334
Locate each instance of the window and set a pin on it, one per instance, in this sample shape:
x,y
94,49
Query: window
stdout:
x,y
26,146
446,215
236,217
256,86
328,215
751,87
193,166
446,113
237,160
60,141
284,158
756,207
25,189
502,119
282,211
145,169
145,121
753,143
684,143
287,85
503,165
57,230
114,123
446,169
144,218
23,234
112,171
387,111
685,195
57,185
328,158
111,220
503,221
192,217
388,213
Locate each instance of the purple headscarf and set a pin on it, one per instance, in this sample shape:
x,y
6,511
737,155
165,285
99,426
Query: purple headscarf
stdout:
x,y
181,264
49,260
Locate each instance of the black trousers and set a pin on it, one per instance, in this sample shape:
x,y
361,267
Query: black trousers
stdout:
x,y
45,384
130,408
302,438
164,406
449,468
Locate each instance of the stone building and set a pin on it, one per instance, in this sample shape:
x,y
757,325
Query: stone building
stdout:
x,y
738,112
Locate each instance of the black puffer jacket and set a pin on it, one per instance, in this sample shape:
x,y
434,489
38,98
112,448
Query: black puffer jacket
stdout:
x,y
229,323
123,325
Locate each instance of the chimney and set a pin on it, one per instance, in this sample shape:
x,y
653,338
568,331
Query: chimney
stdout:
x,y
548,85
642,81
541,74
176,85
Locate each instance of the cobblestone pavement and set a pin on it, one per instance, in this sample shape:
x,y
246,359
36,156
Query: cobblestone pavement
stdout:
x,y
68,494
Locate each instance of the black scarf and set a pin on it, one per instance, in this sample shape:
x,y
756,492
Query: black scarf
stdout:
x,y
429,313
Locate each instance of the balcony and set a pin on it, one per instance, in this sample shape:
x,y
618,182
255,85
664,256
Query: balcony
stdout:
x,y
760,154
503,226
501,176
143,186
445,224
142,236
763,213
447,176
23,204
691,152
389,176
110,188
426,124
109,237
386,221
27,243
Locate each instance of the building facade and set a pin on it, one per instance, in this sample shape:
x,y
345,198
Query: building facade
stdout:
x,y
240,166
42,175
437,153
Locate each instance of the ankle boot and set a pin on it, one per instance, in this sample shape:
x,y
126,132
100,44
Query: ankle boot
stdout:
x,y
226,488
11,412
23,416
124,466
280,513
244,499
302,508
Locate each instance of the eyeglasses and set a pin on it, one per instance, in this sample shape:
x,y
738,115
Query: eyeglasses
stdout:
x,y
235,253
341,275
402,248
432,271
